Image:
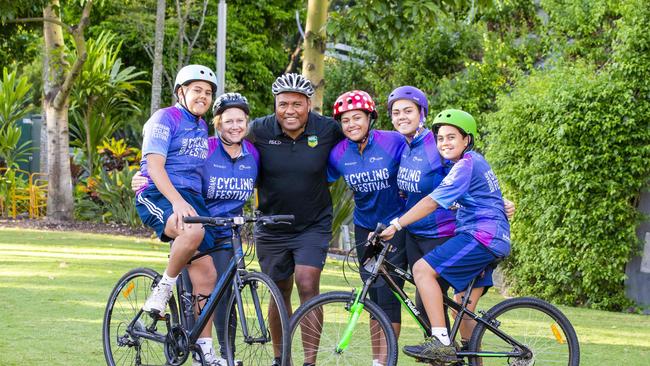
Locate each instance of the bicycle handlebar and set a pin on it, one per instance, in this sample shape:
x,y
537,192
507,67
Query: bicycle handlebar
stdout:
x,y
374,237
239,220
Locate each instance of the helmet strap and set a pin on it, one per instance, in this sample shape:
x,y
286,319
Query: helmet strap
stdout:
x,y
183,103
227,142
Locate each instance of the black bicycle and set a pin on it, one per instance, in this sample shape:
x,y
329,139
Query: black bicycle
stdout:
x,y
134,337
518,331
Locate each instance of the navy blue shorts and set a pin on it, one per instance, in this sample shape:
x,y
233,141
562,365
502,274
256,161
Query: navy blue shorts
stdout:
x,y
154,210
278,253
461,259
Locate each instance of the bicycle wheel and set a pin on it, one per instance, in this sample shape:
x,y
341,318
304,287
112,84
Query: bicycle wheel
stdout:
x,y
254,346
538,325
124,304
318,325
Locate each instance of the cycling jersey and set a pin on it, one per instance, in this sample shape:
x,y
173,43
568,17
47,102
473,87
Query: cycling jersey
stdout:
x,y
472,185
228,182
420,172
182,139
371,175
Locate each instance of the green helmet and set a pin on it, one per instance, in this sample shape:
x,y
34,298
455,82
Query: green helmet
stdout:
x,y
458,118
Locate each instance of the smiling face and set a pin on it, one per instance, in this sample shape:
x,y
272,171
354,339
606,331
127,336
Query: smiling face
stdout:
x,y
451,142
405,115
292,111
232,124
355,124
196,97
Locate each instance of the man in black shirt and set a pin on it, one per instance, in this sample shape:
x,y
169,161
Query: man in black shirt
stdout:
x,y
294,145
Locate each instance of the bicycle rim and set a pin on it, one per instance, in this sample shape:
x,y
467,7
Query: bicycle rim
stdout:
x,y
124,303
255,348
539,326
317,328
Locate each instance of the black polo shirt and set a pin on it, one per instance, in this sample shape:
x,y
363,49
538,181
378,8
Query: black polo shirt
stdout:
x,y
292,179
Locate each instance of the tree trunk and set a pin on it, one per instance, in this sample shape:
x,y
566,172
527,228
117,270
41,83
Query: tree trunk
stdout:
x,y
313,66
159,39
59,198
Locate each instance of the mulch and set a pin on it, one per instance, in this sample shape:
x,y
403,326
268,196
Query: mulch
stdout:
x,y
78,226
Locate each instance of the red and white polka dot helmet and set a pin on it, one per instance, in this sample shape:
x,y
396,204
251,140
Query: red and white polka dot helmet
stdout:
x,y
354,100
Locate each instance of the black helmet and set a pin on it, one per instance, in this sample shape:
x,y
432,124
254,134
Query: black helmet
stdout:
x,y
230,100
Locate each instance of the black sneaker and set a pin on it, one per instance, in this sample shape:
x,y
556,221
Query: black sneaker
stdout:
x,y
432,350
277,361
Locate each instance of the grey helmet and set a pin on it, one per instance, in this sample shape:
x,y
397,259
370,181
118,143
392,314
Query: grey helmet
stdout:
x,y
191,73
294,83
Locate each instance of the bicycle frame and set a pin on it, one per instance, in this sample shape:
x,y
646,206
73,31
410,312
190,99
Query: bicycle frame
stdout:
x,y
385,269
232,276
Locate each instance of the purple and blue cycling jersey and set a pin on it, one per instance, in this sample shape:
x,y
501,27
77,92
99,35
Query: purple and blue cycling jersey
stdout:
x,y
472,185
228,182
420,172
182,139
371,175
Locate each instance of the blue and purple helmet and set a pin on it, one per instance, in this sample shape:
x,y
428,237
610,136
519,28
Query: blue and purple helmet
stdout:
x,y
413,94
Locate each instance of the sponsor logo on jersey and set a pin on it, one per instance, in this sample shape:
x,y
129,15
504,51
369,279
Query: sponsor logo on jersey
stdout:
x,y
312,141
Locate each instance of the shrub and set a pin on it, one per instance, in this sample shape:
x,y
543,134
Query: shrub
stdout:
x,y
574,157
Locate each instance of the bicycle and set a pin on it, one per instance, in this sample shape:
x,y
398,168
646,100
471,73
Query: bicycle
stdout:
x,y
516,331
134,337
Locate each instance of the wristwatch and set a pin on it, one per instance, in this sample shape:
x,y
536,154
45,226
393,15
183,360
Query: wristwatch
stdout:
x,y
395,222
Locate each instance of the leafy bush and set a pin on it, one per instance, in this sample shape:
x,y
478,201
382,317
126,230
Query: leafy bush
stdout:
x,y
14,105
573,155
118,201
108,196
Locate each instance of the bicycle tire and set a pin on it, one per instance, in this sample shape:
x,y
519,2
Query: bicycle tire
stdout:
x,y
260,351
333,306
536,324
124,303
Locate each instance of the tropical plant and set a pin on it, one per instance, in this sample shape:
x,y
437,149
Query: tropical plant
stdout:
x,y
14,105
115,154
114,191
102,97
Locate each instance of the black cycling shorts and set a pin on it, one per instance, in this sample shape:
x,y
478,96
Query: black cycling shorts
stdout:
x,y
279,253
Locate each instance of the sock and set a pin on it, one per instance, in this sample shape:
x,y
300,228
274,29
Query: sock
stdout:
x,y
205,344
171,281
441,334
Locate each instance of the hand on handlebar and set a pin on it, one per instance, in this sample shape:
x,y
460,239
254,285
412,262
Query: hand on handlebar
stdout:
x,y
388,233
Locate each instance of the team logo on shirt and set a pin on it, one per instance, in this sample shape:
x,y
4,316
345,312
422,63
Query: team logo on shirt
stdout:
x,y
312,141
275,142
373,159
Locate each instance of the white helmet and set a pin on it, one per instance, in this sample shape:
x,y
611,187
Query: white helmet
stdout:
x,y
191,73
294,83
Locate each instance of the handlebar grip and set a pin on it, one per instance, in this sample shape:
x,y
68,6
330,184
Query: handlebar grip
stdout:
x,y
380,227
285,218
198,220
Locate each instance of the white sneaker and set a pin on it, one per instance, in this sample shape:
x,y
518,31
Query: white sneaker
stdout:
x,y
210,360
158,299
376,362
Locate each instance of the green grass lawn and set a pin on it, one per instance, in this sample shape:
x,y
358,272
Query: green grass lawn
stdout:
x,y
54,287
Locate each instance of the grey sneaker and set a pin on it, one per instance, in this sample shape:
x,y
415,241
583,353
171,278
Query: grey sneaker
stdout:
x,y
432,350
158,299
